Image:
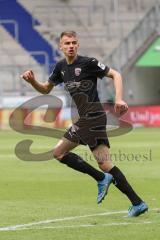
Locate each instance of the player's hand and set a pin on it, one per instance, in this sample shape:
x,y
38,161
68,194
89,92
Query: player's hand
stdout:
x,y
28,76
120,107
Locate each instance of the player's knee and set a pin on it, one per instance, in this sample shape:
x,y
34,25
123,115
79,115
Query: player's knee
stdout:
x,y
57,154
103,160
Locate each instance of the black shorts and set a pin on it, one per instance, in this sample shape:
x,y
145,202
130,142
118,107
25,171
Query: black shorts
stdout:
x,y
90,131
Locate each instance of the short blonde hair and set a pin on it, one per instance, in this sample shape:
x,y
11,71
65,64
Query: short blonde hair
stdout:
x,y
68,34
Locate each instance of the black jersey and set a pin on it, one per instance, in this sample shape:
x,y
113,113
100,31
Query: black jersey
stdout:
x,y
80,80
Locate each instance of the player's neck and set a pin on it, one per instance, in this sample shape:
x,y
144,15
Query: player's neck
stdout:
x,y
70,60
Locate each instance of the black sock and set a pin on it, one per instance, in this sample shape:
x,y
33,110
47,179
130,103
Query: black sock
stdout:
x,y
77,163
122,184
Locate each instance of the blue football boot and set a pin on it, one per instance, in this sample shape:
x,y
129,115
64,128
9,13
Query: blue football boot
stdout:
x,y
135,211
103,187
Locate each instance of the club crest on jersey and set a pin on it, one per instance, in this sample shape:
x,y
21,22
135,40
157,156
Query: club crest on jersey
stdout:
x,y
77,71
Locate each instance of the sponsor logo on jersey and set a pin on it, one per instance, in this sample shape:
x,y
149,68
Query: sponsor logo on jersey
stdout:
x,y
77,71
84,85
101,65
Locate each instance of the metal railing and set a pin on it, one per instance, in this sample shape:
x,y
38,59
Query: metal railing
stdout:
x,y
16,38
15,65
129,45
15,26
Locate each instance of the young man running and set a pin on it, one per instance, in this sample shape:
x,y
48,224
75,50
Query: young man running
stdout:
x,y
79,75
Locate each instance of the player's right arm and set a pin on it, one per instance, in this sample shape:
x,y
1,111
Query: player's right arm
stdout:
x,y
43,88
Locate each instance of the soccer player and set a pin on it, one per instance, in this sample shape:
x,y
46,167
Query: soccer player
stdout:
x,y
79,75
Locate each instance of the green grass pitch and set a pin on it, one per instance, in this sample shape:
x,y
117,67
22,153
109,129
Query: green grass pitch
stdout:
x,y
48,201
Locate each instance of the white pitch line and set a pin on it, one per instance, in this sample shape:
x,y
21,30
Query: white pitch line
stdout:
x,y
23,226
81,226
14,227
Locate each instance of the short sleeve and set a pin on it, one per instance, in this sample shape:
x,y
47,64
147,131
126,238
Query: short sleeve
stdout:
x,y
55,76
97,68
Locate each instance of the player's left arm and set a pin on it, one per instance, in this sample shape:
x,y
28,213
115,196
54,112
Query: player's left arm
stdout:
x,y
121,106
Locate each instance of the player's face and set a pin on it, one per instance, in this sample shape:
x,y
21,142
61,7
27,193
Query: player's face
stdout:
x,y
69,46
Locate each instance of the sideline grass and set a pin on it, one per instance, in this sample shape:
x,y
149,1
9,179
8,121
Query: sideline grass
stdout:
x,y
37,191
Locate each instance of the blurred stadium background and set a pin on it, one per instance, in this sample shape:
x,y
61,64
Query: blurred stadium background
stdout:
x,y
123,34
46,200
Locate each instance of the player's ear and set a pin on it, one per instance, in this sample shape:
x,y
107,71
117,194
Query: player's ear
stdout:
x,y
77,43
60,46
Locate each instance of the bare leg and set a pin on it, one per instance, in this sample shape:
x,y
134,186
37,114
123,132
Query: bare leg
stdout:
x,y
63,147
101,154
